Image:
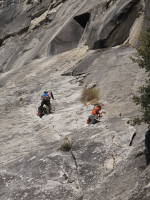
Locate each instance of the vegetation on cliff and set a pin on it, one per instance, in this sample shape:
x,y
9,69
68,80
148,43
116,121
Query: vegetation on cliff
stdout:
x,y
143,60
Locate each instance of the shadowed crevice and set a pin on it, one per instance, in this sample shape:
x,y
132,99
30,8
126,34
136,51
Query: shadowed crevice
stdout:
x,y
82,19
122,25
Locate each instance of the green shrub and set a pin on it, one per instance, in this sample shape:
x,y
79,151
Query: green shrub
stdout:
x,y
66,145
90,96
143,60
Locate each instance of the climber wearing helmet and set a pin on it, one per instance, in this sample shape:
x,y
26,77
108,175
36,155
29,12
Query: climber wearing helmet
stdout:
x,y
46,96
95,114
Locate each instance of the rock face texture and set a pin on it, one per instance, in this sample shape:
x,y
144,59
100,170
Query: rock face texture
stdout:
x,y
115,24
64,46
67,39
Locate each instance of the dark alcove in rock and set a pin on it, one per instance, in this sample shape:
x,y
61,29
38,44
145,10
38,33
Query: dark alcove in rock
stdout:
x,y
83,19
70,35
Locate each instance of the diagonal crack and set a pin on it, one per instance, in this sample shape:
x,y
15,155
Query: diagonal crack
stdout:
x,y
133,136
76,164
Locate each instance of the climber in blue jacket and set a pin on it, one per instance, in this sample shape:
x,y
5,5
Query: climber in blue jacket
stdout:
x,y
46,96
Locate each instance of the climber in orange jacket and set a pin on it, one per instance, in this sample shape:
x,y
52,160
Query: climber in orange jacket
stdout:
x,y
95,114
96,111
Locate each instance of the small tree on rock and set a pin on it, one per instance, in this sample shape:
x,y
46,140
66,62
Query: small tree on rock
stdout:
x,y
143,60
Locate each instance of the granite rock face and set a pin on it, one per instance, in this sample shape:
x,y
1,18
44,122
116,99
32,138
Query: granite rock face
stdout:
x,y
114,24
67,39
90,41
